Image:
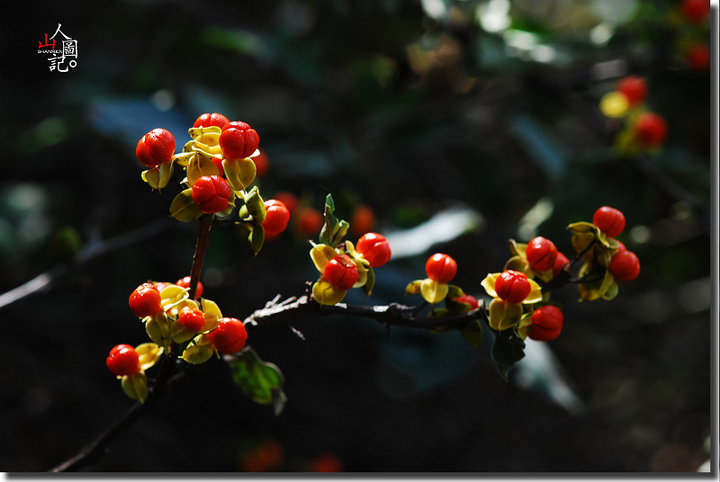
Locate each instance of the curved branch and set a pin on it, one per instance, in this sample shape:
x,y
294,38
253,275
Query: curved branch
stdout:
x,y
282,313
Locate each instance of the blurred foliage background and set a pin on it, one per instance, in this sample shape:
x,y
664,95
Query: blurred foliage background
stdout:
x,y
477,114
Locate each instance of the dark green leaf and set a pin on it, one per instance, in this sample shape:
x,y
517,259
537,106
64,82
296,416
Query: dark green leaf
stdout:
x,y
472,332
508,349
256,238
259,380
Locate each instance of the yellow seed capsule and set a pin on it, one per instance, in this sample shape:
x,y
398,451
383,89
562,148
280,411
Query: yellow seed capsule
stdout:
x,y
326,294
614,104
432,291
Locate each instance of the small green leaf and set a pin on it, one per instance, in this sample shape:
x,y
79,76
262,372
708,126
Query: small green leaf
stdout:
x,y
259,380
334,229
507,350
256,238
255,205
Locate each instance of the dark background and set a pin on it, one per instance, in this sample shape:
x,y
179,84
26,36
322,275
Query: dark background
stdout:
x,y
411,110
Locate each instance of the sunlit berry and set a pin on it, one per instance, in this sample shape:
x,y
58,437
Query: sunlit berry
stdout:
x,y
123,360
155,147
609,220
238,140
375,249
229,336
211,193
214,119
541,253
192,319
277,217
341,272
512,286
145,300
441,268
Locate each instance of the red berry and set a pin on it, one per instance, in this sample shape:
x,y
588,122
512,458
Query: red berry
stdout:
x,y
698,57
288,199
650,129
155,147
621,247
262,163
277,217
310,221
469,299
512,286
375,248
624,266
214,119
229,336
609,220
238,140
363,220
341,272
192,320
547,323
211,194
560,261
541,253
634,88
123,360
441,268
695,10
145,300
185,283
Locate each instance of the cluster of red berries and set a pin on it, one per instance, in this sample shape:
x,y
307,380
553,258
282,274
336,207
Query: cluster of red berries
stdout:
x,y
624,265
341,269
644,129
170,316
228,145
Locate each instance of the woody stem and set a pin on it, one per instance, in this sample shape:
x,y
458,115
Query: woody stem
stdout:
x,y
203,242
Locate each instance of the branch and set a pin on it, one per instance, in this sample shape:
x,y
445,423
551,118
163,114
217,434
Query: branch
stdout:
x,y
282,313
203,243
98,448
89,252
